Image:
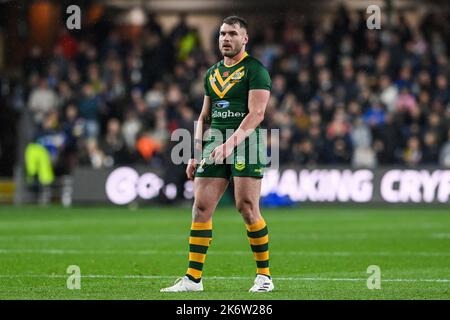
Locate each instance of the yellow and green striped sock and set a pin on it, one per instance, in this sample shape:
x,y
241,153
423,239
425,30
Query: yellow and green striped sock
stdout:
x,y
258,236
199,241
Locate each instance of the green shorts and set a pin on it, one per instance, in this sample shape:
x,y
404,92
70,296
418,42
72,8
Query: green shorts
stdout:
x,y
247,161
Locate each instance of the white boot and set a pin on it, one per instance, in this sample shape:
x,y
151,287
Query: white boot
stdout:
x,y
262,284
184,284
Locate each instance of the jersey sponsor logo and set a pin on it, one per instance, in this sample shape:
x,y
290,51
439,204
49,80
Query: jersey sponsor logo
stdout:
x,y
222,104
227,114
221,86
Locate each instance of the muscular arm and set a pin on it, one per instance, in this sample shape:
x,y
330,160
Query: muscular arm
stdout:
x,y
257,103
203,119
198,136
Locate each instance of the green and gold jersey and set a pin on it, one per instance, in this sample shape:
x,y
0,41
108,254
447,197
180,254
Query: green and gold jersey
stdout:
x,y
228,88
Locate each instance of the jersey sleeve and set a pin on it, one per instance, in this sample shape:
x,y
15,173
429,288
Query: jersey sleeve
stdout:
x,y
205,83
259,78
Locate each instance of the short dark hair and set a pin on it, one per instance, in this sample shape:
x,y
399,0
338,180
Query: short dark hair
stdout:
x,y
236,20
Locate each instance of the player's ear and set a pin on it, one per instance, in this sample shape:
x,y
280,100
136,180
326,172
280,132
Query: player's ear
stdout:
x,y
246,38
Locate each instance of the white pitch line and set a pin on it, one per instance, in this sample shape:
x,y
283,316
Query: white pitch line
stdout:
x,y
215,252
68,237
133,237
104,276
440,235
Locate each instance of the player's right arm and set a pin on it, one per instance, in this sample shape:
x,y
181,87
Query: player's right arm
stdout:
x,y
204,118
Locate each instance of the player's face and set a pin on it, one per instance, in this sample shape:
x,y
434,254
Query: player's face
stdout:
x,y
231,39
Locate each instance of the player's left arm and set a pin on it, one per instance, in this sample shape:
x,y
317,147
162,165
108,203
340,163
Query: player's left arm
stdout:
x,y
257,103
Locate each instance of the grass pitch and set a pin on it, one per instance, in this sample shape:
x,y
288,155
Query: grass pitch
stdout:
x,y
316,253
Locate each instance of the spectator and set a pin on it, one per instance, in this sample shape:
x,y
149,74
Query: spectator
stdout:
x,y
375,115
304,154
113,145
442,91
405,101
361,134
412,155
130,129
339,151
430,148
42,101
89,111
444,156
388,93
147,146
53,139
72,127
91,154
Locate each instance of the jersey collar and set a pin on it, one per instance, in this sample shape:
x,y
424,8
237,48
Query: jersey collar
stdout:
x,y
242,58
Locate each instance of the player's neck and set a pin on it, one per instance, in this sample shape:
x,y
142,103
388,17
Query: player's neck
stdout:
x,y
231,61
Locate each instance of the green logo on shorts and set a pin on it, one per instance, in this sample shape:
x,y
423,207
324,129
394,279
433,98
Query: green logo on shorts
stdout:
x,y
240,163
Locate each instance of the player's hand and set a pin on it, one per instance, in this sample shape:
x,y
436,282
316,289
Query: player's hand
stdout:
x,y
220,153
190,170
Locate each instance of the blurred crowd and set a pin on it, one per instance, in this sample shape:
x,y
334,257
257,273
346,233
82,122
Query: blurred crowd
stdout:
x,y
341,94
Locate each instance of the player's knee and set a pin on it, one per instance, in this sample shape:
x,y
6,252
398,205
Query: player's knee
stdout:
x,y
200,212
245,207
